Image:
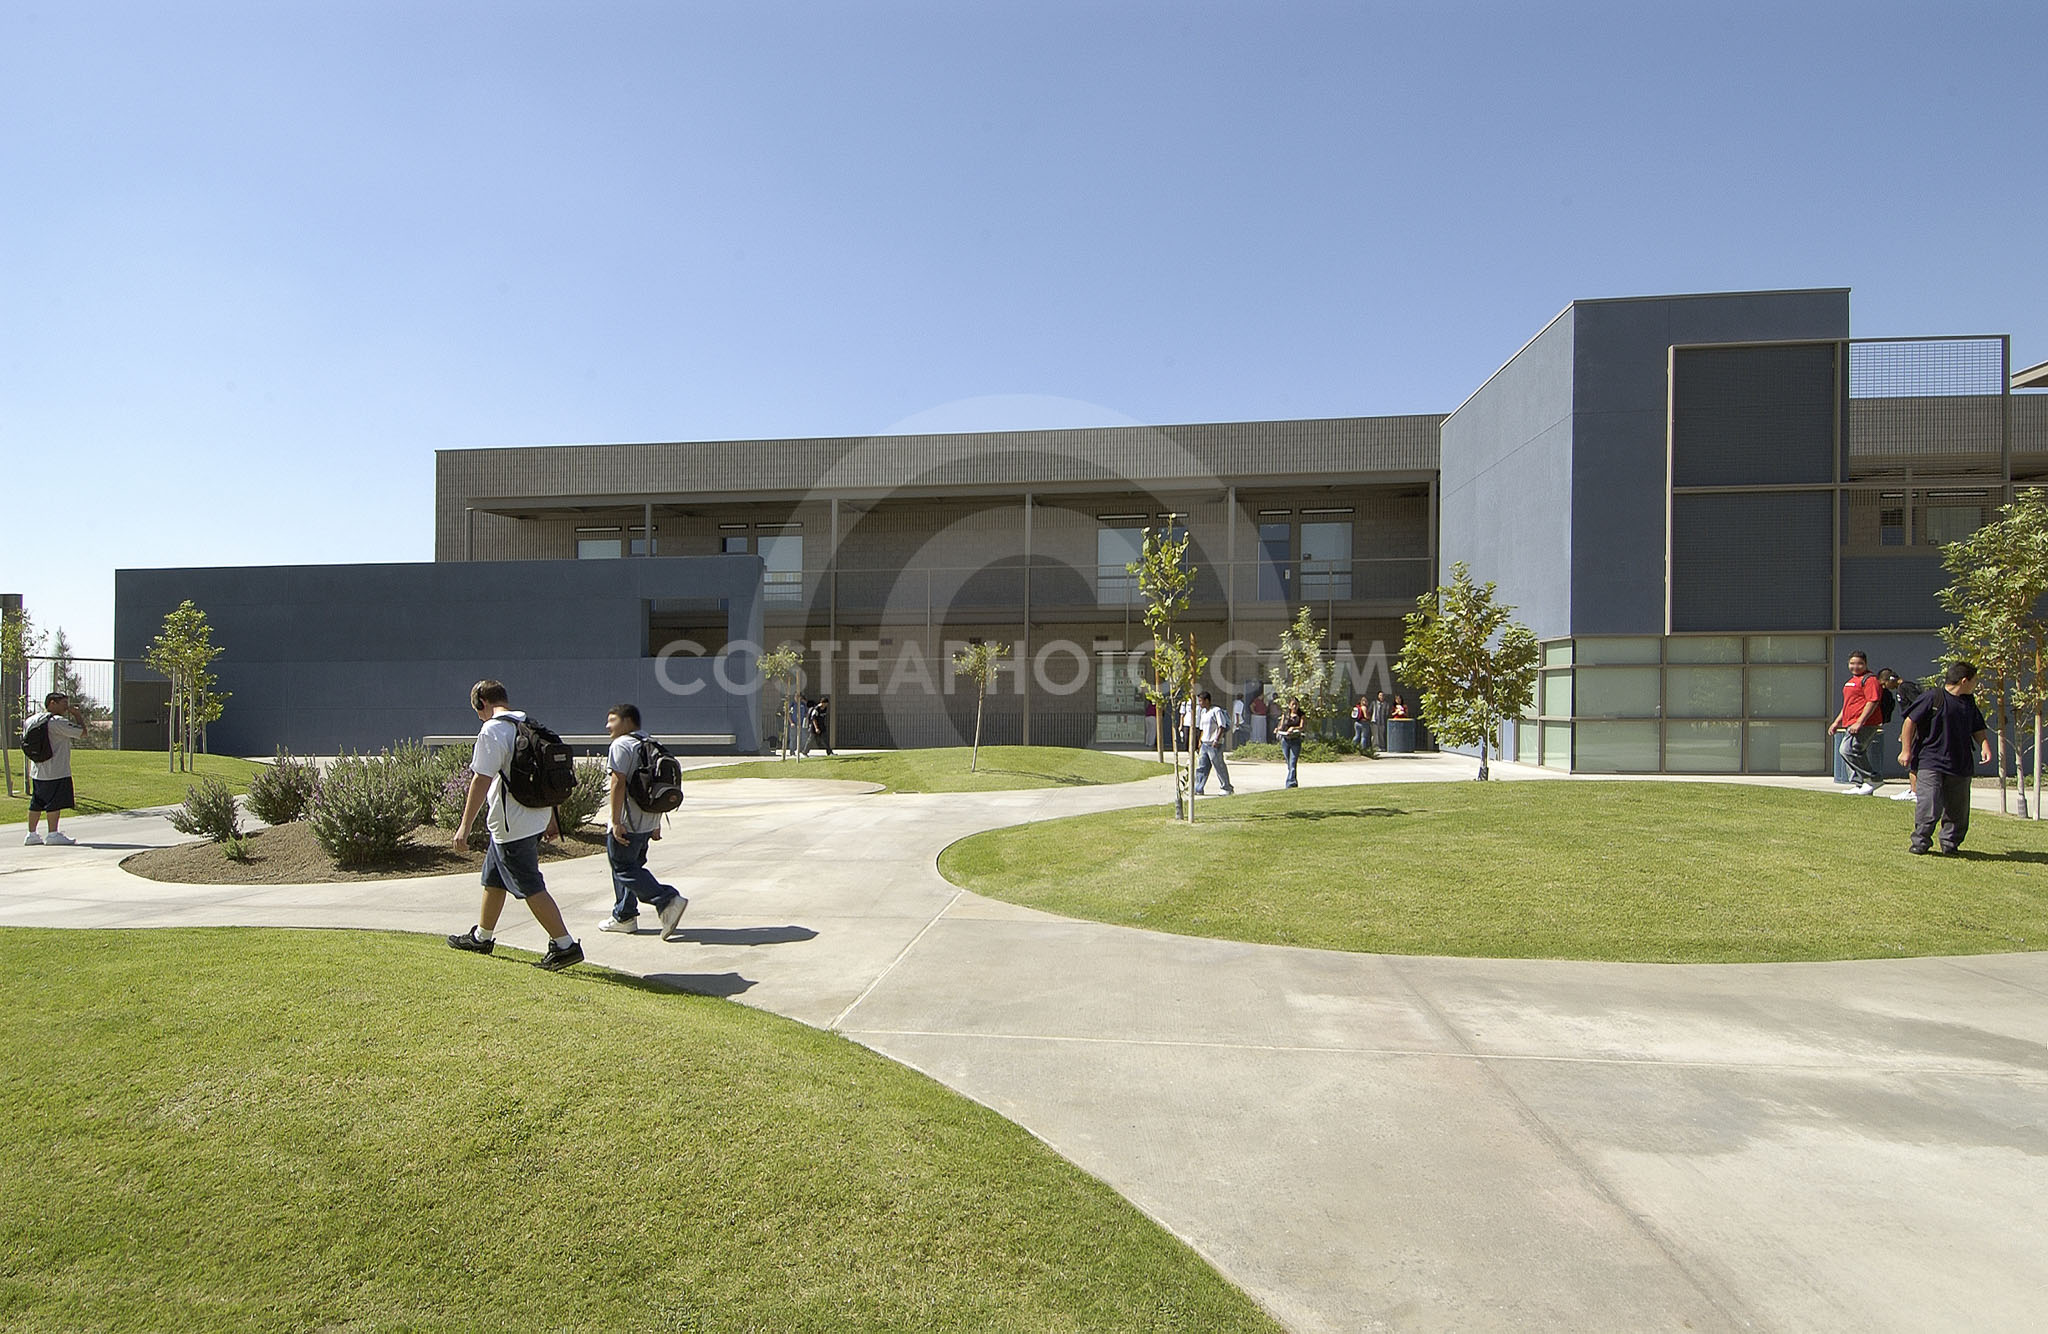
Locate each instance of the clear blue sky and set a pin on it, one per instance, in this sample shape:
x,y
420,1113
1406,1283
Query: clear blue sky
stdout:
x,y
259,260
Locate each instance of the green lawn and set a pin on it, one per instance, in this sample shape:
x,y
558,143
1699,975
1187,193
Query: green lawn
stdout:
x,y
1001,768
269,1130
125,780
1639,871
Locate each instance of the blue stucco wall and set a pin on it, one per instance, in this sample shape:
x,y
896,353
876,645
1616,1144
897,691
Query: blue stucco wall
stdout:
x,y
321,658
1505,500
1620,359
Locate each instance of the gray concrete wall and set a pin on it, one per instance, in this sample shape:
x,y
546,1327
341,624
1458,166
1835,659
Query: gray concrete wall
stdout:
x,y
1619,376
1506,495
323,658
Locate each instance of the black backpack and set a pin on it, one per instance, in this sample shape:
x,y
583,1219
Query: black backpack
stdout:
x,y
543,768
657,785
35,742
1887,704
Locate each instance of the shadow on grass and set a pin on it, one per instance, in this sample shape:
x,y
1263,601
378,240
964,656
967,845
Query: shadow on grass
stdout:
x,y
2009,855
1054,780
1364,813
751,935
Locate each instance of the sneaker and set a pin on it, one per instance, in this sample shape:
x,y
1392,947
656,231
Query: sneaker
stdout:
x,y
1907,795
625,926
555,960
672,916
1867,790
57,840
468,941
34,840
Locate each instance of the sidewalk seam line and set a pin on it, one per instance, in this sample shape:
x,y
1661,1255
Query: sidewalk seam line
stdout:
x,y
901,955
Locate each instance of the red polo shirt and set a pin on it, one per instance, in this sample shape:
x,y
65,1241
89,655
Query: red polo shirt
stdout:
x,y
1858,694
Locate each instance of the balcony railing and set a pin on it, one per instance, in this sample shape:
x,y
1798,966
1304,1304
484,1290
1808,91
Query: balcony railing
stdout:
x,y
1002,590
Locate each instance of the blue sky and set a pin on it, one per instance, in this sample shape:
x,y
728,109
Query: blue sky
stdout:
x,y
258,261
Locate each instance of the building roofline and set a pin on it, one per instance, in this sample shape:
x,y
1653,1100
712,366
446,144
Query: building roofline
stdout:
x,y
2033,377
945,435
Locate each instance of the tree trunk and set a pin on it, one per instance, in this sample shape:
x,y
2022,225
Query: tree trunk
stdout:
x,y
974,755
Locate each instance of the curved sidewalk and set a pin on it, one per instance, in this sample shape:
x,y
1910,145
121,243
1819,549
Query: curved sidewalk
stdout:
x,y
1363,1142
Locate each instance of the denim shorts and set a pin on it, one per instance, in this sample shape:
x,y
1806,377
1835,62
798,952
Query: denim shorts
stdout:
x,y
514,867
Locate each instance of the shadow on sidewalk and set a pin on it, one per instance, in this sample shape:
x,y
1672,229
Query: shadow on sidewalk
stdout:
x,y
751,935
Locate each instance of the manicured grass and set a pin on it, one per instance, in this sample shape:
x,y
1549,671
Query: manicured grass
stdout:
x,y
126,780
1640,871
236,1129
1000,768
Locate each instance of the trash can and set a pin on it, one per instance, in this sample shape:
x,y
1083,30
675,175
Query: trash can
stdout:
x,y
1400,736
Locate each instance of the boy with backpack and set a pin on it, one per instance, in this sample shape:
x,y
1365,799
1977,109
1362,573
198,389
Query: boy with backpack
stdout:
x,y
646,783
46,740
519,770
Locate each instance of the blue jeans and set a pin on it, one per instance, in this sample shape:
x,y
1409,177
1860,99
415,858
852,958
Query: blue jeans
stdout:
x,y
1290,750
1358,733
1855,747
630,877
1212,755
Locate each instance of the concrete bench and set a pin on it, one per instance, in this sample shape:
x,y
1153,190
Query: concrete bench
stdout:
x,y
598,740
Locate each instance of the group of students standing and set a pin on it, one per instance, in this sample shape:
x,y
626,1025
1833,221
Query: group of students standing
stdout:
x,y
1942,740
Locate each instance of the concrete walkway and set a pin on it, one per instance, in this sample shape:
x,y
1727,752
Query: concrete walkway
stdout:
x,y
1362,1142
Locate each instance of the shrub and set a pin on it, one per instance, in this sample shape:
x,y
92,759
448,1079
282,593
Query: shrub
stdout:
x,y
364,809
593,792
425,773
235,849
454,794
282,793
1314,750
209,809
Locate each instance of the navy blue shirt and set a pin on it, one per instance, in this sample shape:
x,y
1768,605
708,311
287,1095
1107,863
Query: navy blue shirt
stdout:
x,y
1945,727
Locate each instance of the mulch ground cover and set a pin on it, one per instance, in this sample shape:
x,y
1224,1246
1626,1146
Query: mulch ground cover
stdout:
x,y
290,855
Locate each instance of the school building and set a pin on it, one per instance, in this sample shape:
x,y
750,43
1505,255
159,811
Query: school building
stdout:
x,y
1700,504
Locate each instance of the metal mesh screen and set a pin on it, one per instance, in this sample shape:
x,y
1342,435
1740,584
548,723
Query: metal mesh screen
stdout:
x,y
1751,562
1753,416
1926,407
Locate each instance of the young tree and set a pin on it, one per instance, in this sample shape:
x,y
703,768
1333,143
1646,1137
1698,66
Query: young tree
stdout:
x,y
1167,580
782,668
1473,666
979,663
2001,577
19,641
183,651
1306,673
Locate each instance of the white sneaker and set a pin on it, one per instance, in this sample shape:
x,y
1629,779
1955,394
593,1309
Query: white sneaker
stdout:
x,y
1866,790
624,926
57,840
672,916
34,840
1907,795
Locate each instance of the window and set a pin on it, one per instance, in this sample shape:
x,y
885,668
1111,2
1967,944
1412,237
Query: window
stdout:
x,y
1325,561
1115,550
1276,567
598,548
783,582
1948,523
735,546
1891,527
640,546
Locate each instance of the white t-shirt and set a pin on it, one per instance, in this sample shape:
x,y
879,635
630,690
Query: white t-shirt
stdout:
x,y
62,733
1213,726
507,820
624,757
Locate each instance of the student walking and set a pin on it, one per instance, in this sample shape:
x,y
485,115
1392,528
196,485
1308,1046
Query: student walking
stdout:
x,y
46,739
1292,725
821,723
1215,727
1860,723
631,828
512,862
1941,743
1380,713
1361,723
